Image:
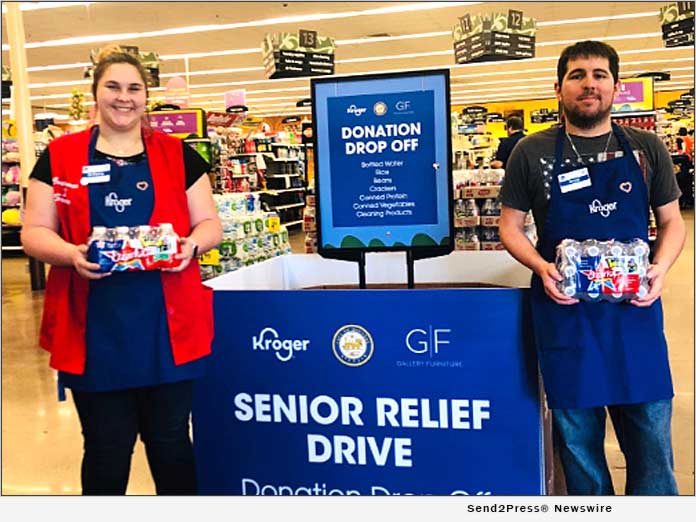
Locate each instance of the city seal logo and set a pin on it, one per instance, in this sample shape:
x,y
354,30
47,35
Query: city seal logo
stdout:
x,y
353,345
380,108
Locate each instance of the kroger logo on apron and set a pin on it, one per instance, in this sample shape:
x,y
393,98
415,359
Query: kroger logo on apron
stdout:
x,y
603,208
119,205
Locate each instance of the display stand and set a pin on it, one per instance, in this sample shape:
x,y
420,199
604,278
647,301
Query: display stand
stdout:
x,y
316,387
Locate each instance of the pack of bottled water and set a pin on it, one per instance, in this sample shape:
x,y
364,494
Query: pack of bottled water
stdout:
x,y
603,270
128,249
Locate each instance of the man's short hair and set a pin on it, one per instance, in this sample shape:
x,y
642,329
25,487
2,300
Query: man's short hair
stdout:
x,y
514,123
587,49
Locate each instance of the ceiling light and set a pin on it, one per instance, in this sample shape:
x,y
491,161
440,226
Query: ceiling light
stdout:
x,y
602,38
395,57
35,6
203,29
598,19
212,72
59,67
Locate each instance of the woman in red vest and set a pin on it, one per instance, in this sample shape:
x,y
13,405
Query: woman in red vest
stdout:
x,y
127,344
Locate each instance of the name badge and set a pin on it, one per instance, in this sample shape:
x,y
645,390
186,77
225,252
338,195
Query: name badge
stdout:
x,y
95,174
574,180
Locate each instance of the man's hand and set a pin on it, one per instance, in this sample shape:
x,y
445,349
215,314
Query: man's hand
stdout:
x,y
656,278
550,276
83,267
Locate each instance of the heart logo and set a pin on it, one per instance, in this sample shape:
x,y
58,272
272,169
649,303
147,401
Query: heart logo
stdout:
x,y
142,185
626,186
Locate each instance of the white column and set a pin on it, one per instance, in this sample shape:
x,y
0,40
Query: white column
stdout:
x,y
20,85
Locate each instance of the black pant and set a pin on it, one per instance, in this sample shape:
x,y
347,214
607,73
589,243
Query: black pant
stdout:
x,y
111,421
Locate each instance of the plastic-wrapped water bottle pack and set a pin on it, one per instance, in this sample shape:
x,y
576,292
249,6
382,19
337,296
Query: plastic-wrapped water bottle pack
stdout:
x,y
603,270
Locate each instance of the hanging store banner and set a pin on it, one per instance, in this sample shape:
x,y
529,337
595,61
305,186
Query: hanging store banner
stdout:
x,y
224,119
677,20
635,95
296,55
416,401
176,92
180,123
493,37
235,97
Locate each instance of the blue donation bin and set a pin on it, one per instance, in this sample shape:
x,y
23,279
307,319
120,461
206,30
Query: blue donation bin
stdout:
x,y
318,388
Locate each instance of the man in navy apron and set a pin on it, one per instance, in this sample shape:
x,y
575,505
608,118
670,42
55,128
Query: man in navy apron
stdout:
x,y
598,356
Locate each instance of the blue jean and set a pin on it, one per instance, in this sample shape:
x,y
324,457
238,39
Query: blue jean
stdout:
x,y
644,435
111,422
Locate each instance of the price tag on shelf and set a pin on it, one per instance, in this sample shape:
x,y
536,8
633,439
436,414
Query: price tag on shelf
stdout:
x,y
274,224
210,258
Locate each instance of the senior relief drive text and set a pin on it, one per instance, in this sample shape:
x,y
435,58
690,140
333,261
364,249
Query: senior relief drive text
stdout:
x,y
363,144
456,414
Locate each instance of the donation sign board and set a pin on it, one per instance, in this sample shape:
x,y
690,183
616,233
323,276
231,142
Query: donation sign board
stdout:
x,y
383,165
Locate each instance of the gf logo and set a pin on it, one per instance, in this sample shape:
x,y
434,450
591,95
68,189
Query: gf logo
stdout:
x,y
421,341
403,105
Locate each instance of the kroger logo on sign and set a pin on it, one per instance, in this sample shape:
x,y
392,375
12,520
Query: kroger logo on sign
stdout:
x,y
356,110
284,349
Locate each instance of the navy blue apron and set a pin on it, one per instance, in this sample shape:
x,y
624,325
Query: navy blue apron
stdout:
x,y
127,333
600,353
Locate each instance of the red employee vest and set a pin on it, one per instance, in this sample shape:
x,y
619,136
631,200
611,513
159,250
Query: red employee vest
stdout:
x,y
189,304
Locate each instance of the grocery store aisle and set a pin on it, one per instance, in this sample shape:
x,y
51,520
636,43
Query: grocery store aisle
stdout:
x,y
41,441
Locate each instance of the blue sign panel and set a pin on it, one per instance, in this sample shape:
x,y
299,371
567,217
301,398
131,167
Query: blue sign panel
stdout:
x,y
383,170
384,394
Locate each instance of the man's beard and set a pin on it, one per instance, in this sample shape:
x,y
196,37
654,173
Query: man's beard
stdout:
x,y
585,121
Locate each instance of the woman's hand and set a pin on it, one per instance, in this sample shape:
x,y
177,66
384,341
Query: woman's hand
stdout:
x,y
188,246
83,267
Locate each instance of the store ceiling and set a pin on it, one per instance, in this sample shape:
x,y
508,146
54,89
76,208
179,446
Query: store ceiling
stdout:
x,y
633,28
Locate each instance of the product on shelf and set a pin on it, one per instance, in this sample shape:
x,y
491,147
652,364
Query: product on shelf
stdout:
x,y
477,209
309,225
11,195
249,235
603,270
129,249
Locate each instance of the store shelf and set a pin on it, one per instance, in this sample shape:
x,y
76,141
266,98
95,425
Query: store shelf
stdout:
x,y
283,175
293,223
273,192
12,248
291,205
274,158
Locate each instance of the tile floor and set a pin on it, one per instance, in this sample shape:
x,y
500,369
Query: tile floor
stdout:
x,y
41,441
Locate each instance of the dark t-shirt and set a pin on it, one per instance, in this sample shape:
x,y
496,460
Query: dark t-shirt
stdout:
x,y
530,167
194,165
506,146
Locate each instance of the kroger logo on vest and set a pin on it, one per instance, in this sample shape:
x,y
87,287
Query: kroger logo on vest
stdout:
x,y
603,208
112,200
269,339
